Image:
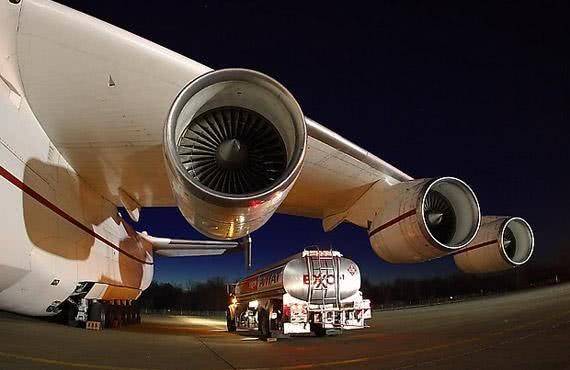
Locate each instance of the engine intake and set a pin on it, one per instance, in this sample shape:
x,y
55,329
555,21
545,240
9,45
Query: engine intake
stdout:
x,y
235,141
502,243
233,151
424,219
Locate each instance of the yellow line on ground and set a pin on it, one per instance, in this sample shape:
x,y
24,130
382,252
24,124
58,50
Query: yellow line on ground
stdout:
x,y
48,361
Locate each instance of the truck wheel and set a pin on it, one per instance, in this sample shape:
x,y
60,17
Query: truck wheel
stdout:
x,y
276,308
263,318
319,330
230,323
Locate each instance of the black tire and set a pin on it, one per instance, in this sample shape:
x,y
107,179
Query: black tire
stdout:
x,y
263,323
277,309
108,315
130,315
137,315
97,313
319,330
115,316
230,323
124,317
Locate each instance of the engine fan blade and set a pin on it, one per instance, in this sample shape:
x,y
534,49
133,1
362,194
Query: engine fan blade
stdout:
x,y
510,243
435,218
233,150
439,216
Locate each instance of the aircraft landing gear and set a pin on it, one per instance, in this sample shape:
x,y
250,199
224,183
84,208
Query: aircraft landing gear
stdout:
x,y
71,316
97,313
119,315
111,314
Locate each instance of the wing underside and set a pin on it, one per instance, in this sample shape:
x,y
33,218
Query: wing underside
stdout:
x,y
102,95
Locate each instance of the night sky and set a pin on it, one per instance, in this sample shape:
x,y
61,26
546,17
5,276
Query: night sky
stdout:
x,y
479,91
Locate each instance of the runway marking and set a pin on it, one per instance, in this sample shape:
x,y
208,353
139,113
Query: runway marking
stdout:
x,y
215,353
48,361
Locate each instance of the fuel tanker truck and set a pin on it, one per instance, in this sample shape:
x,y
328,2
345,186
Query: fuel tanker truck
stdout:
x,y
314,291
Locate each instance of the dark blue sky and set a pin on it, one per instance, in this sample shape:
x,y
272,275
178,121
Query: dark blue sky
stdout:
x,y
480,91
281,237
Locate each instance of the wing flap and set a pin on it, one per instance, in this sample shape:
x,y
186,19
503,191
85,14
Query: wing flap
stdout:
x,y
194,248
191,248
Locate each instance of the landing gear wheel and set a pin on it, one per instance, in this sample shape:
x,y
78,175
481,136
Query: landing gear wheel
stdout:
x,y
230,323
137,315
97,313
115,316
108,316
263,318
124,315
129,314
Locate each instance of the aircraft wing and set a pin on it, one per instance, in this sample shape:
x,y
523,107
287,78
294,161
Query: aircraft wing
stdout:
x,y
102,95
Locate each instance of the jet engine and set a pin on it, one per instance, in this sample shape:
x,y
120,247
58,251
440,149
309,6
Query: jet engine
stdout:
x,y
501,244
234,142
424,219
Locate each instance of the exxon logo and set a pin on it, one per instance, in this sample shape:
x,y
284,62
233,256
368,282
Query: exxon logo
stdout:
x,y
319,281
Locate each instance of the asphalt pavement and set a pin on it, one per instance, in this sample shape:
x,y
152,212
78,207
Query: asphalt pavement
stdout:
x,y
526,330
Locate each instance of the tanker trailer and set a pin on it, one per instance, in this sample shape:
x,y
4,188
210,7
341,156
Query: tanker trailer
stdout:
x,y
314,291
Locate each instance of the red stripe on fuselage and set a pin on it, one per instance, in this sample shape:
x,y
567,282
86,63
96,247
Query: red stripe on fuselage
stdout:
x,y
39,198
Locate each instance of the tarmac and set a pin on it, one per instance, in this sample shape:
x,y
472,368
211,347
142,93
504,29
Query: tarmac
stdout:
x,y
525,330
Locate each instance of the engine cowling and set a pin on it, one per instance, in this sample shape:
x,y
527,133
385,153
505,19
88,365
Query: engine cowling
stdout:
x,y
502,243
234,142
424,219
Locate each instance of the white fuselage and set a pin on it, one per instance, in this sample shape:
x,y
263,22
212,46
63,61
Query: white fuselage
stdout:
x,y
55,231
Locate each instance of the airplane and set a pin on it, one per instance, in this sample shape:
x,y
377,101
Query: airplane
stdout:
x,y
94,118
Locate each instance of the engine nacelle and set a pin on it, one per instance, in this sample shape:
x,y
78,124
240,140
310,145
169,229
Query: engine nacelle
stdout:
x,y
234,142
502,243
424,219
